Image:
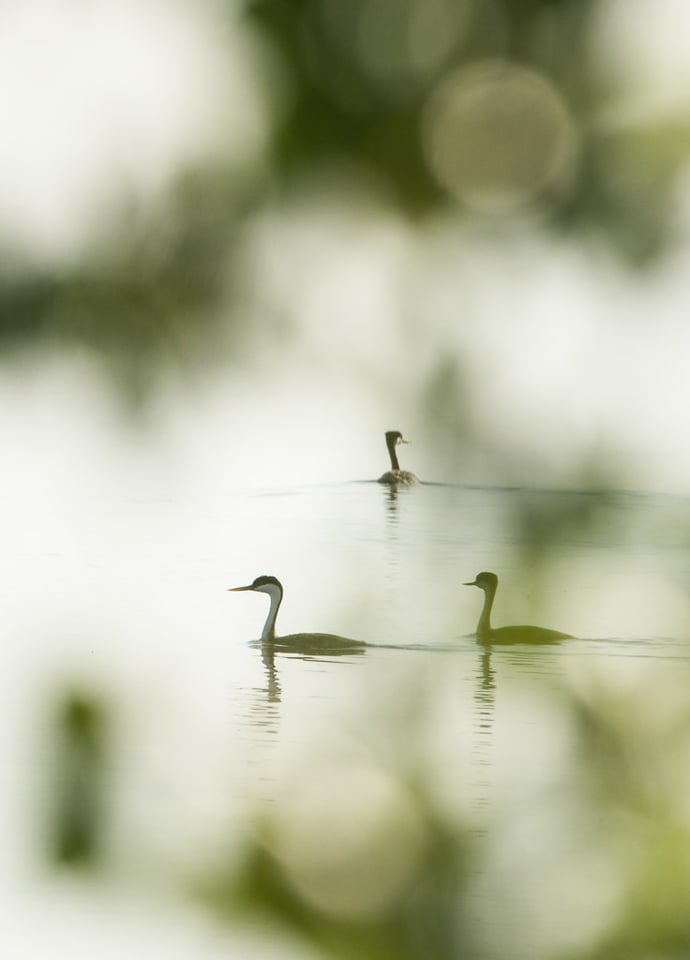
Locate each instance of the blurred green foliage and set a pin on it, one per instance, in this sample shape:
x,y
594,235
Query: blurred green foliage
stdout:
x,y
615,813
387,869
148,301
357,78
424,920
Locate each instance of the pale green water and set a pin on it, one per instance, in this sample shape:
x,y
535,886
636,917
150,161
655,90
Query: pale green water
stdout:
x,y
132,602
356,560
490,726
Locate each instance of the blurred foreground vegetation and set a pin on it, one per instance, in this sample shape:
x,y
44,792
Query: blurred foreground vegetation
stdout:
x,y
491,113
369,849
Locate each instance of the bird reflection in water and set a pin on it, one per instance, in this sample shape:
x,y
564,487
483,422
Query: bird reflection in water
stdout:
x,y
273,690
483,724
266,708
485,690
306,646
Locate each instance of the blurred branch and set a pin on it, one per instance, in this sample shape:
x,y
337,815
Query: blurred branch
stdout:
x,y
151,299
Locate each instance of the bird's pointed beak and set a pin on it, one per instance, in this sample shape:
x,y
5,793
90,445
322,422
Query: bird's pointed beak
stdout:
x,y
239,589
470,583
403,440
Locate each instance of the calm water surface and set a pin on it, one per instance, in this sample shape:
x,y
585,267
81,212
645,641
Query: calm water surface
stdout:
x,y
358,560
137,606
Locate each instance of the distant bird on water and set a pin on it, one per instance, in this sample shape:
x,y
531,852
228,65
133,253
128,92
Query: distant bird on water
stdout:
x,y
395,474
301,642
488,582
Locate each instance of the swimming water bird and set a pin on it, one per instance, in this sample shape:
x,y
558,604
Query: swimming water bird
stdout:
x,y
300,642
395,474
488,582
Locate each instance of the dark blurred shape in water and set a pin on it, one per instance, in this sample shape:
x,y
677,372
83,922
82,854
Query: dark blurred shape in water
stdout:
x,y
81,741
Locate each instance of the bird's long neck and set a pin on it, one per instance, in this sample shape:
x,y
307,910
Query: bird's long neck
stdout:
x,y
484,625
269,631
392,453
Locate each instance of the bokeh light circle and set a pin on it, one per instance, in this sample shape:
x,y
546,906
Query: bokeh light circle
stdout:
x,y
498,135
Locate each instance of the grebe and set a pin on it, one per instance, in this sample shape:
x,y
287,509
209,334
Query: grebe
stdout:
x,y
302,642
488,582
395,474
